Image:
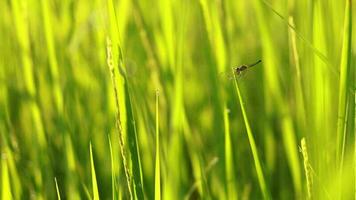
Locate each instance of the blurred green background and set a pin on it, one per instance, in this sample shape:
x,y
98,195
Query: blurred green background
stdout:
x,y
217,138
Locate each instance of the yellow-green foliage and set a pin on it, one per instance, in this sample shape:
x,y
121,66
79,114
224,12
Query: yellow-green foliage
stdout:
x,y
79,73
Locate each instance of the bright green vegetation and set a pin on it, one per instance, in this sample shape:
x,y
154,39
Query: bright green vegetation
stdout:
x,y
124,99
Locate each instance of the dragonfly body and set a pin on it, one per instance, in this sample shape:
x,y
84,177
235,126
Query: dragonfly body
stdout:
x,y
238,71
241,68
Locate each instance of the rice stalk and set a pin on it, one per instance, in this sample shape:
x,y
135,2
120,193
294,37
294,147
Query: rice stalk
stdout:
x,y
307,169
118,121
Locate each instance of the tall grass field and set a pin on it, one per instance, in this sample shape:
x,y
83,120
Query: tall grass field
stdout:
x,y
140,99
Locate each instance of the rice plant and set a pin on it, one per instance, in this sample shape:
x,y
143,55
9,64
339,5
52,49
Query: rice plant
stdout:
x,y
79,74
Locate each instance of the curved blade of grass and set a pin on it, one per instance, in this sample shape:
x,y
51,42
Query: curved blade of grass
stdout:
x,y
71,181
27,68
344,84
202,180
278,102
158,160
53,63
321,94
133,143
355,143
261,179
137,166
57,189
215,33
113,180
5,179
198,184
93,176
16,186
344,80
86,192
301,37
15,179
119,124
117,104
298,81
173,37
229,162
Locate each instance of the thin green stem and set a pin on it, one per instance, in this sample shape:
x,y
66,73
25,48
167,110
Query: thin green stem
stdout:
x,y
253,146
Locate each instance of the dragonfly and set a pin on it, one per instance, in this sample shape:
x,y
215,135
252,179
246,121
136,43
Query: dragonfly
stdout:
x,y
239,70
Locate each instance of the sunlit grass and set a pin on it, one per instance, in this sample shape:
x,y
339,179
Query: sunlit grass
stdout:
x,y
75,74
93,176
158,159
57,189
307,168
5,180
251,139
232,192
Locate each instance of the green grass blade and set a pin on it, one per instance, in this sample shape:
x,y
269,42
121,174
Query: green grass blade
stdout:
x,y
53,63
291,26
229,162
300,100
57,95
344,79
93,176
113,174
158,159
119,124
307,169
21,24
87,192
261,179
133,143
72,180
276,103
5,179
344,86
8,155
321,109
57,189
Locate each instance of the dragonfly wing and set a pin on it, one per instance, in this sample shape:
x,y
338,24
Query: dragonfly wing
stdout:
x,y
229,74
226,75
242,75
